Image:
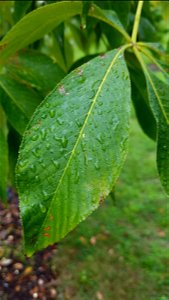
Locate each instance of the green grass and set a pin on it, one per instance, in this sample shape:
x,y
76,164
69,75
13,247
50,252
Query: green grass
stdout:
x,y
121,252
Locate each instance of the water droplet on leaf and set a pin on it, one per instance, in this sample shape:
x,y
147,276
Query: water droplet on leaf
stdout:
x,y
52,113
34,137
64,141
42,208
97,165
60,121
56,164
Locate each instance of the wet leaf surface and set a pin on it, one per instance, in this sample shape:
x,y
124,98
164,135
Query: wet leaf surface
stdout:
x,y
77,143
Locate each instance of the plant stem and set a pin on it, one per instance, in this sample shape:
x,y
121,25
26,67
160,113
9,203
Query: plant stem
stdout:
x,y
137,21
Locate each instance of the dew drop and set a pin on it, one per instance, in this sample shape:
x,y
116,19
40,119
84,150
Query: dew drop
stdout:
x,y
47,105
60,121
35,153
79,123
100,112
99,138
64,141
33,168
52,113
43,133
83,144
56,164
97,167
45,194
100,103
91,94
62,150
37,178
42,208
44,116
23,163
82,79
34,137
77,177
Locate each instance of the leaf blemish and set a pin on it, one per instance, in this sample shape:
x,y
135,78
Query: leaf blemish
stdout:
x,y
79,71
101,200
102,55
51,217
46,234
47,228
61,90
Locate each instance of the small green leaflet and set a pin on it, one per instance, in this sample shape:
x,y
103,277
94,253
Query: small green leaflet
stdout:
x,y
77,142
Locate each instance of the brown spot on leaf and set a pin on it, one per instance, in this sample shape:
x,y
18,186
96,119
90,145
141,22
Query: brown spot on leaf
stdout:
x,y
46,234
2,47
47,228
101,200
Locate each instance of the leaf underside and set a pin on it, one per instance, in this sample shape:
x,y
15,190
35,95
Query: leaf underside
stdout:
x,y
73,149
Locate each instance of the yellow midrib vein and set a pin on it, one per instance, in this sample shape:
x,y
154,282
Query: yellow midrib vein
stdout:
x,y
83,127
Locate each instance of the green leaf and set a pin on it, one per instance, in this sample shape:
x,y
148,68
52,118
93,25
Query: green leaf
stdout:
x,y
77,143
117,6
36,24
20,8
110,17
140,97
15,116
3,155
35,69
158,91
19,101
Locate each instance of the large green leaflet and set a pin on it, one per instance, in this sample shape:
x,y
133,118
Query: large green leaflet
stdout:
x,y
73,149
35,24
3,155
158,90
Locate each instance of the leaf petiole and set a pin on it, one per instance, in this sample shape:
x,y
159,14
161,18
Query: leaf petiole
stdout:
x,y
137,21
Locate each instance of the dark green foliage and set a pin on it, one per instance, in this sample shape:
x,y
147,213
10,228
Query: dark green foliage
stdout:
x,y
75,140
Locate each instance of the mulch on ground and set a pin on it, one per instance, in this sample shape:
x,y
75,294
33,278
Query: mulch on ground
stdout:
x,y
22,278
